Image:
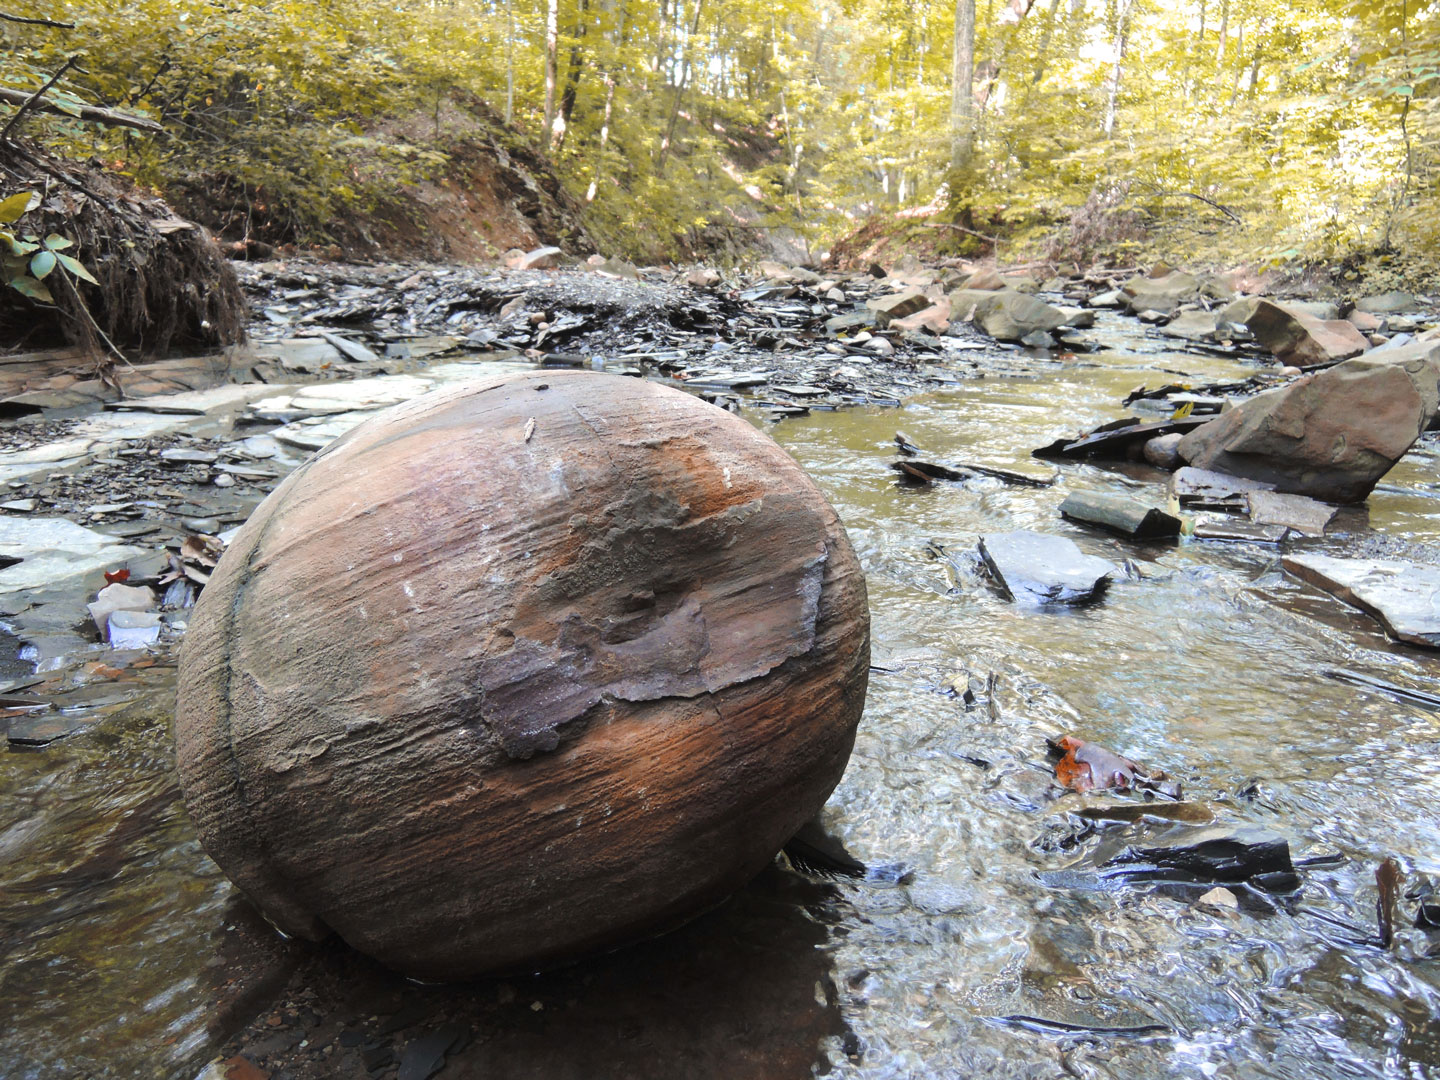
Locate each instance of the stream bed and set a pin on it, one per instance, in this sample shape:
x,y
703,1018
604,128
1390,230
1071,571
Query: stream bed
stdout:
x,y
978,945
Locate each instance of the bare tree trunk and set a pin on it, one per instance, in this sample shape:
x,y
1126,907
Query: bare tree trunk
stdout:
x,y
1112,80
962,88
572,75
552,51
609,78
685,69
509,61
1224,32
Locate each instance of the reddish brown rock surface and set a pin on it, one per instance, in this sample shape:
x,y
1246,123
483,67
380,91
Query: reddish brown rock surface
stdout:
x,y
1331,435
519,671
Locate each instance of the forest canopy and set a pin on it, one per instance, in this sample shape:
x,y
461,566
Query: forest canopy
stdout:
x,y
1267,129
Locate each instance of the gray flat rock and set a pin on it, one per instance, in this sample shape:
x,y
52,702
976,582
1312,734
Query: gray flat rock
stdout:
x,y
1119,514
1038,568
1191,485
39,730
352,350
1224,527
1404,596
1299,512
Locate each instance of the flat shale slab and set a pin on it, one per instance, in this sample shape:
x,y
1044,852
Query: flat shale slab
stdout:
x,y
1041,569
1404,596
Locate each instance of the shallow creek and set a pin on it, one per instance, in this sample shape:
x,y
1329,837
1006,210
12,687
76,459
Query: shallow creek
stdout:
x,y
126,953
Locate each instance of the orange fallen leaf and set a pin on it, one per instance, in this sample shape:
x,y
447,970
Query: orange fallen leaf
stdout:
x,y
1086,767
113,577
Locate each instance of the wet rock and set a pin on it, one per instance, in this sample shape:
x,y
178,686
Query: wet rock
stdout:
x,y
1308,516
1077,318
1219,898
1387,303
576,686
617,267
1038,339
1403,596
41,730
351,350
986,280
779,272
1120,515
855,320
422,1058
1114,298
935,319
1365,322
1247,854
1192,326
1330,435
1037,568
541,258
1006,315
36,552
1223,527
1294,337
181,456
1120,440
132,629
119,597
1163,451
1204,487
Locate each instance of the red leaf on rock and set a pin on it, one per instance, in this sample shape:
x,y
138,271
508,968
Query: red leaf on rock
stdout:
x,y
113,577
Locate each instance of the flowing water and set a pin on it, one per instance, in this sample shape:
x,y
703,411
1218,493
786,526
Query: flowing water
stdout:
x,y
967,954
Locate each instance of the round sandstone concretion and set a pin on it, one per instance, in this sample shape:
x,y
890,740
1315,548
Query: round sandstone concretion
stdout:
x,y
519,671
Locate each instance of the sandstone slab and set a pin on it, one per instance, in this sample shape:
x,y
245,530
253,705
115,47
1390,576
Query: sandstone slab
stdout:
x,y
1330,435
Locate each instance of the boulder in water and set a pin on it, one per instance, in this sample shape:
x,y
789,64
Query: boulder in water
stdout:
x,y
519,671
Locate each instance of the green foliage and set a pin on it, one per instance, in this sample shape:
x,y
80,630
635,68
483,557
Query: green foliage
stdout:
x,y
1226,128
26,261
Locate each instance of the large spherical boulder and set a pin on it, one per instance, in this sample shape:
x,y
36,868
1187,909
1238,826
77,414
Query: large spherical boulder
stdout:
x,y
519,671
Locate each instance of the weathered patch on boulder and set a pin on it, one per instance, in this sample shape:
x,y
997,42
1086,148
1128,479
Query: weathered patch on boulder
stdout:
x,y
1330,435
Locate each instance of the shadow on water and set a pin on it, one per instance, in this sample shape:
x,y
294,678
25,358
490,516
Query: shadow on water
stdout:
x,y
127,954
745,991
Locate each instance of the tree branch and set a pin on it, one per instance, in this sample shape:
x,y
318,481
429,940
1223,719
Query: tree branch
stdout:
x,y
93,113
34,98
5,16
1160,193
